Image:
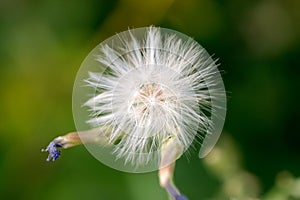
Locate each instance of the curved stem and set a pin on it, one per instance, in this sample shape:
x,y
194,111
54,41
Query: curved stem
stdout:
x,y
171,150
93,136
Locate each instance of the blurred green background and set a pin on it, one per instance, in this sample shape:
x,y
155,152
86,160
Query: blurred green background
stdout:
x,y
42,44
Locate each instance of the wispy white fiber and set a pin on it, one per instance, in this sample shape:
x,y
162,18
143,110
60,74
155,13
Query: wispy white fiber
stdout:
x,y
157,89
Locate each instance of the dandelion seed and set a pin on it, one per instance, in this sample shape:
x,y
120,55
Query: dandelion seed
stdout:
x,y
148,85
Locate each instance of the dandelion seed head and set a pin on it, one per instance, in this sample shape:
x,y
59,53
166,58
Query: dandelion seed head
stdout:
x,y
147,85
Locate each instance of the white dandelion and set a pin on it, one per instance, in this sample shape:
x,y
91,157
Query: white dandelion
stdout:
x,y
148,94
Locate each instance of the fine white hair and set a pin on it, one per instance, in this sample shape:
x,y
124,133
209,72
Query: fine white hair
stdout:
x,y
162,87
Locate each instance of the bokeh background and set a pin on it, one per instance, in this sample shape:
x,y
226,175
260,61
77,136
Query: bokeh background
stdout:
x,y
43,42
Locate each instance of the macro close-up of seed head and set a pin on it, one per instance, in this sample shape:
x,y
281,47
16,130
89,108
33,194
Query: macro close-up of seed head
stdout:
x,y
149,100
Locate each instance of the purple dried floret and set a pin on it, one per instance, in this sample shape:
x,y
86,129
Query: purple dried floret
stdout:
x,y
54,153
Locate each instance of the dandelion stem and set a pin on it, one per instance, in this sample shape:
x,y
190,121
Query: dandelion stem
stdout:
x,y
171,150
93,136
